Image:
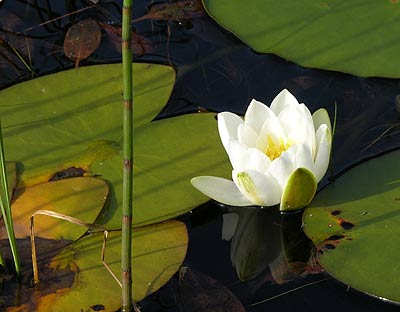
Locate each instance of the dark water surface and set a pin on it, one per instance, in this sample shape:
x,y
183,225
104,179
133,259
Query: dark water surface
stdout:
x,y
215,71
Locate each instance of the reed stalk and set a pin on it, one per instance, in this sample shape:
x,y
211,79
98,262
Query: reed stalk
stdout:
x,y
127,200
5,207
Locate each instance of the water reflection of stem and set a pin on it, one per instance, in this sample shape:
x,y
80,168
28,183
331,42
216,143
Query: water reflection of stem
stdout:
x,y
61,216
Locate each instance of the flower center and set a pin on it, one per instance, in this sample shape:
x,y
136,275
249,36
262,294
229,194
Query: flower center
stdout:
x,y
275,149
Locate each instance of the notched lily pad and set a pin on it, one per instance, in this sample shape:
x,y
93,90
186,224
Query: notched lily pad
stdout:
x,y
354,222
357,37
49,130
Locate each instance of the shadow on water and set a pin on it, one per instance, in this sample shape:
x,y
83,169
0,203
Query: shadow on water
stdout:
x,y
216,72
24,293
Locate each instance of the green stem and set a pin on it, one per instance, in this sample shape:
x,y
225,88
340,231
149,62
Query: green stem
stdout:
x,y
2,262
5,207
127,201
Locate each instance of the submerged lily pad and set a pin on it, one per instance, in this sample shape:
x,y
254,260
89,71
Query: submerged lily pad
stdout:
x,y
354,223
81,198
74,119
158,251
357,37
82,39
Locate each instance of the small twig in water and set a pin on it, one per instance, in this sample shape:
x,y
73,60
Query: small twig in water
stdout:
x,y
57,18
103,251
381,136
56,215
290,291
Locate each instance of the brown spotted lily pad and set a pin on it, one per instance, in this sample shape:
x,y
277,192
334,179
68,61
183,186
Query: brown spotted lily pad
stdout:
x,y
354,223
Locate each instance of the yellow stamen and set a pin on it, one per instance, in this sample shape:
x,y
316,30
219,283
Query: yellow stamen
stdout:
x,y
274,150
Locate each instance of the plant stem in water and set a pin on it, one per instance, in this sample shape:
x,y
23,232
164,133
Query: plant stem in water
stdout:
x,y
5,207
127,201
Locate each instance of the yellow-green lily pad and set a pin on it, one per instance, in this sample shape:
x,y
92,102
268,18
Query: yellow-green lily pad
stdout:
x,y
158,252
81,198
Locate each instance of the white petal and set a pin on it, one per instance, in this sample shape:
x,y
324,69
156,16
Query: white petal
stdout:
x,y
298,125
221,190
324,142
247,135
256,160
243,158
227,126
304,157
282,100
310,129
229,224
321,117
261,189
294,124
237,153
271,133
256,115
282,167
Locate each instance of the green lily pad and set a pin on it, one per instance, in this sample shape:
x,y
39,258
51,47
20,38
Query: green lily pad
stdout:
x,y
167,154
357,37
81,198
158,252
354,223
56,119
74,119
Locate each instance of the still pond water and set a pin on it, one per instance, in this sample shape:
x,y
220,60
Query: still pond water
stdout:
x,y
216,72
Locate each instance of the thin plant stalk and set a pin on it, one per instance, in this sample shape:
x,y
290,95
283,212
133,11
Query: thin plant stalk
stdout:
x,y
127,198
57,215
2,262
5,207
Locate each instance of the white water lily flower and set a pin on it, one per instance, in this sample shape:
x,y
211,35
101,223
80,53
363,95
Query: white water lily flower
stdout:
x,y
278,154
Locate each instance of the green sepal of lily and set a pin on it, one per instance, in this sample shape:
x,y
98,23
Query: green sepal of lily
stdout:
x,y
299,191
